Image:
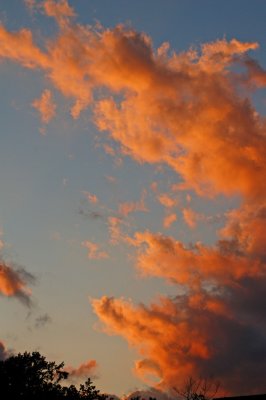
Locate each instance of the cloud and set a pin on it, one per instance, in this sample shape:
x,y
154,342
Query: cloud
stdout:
x,y
166,200
92,198
128,207
184,110
191,217
193,112
4,353
216,327
14,281
114,227
179,339
58,9
84,370
46,106
169,220
94,251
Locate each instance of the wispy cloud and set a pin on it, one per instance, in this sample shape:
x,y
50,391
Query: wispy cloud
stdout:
x,y
86,369
94,250
169,220
45,106
92,198
128,207
166,200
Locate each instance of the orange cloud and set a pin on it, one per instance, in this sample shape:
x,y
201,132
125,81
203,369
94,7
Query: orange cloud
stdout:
x,y
184,110
94,251
114,227
127,208
177,339
191,217
13,282
46,106
160,333
166,200
166,257
207,330
58,9
169,220
92,198
188,111
85,369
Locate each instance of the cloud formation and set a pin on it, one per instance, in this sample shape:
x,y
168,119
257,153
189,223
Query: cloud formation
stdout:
x,y
14,282
184,110
193,112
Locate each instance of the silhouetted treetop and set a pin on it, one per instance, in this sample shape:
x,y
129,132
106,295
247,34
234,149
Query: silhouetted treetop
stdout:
x,y
30,376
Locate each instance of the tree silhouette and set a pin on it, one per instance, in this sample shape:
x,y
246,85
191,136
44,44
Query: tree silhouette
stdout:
x,y
198,389
30,376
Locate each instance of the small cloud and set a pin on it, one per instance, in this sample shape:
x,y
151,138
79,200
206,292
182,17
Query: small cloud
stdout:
x,y
114,226
60,10
169,220
128,207
84,370
94,251
109,150
45,106
92,198
14,282
191,217
166,200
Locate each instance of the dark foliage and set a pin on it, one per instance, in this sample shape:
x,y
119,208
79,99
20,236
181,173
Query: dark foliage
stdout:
x,y
29,376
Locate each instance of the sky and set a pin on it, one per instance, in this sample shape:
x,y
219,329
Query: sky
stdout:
x,y
133,200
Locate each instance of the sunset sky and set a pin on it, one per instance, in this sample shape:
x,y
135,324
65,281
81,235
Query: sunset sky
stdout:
x,y
133,196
